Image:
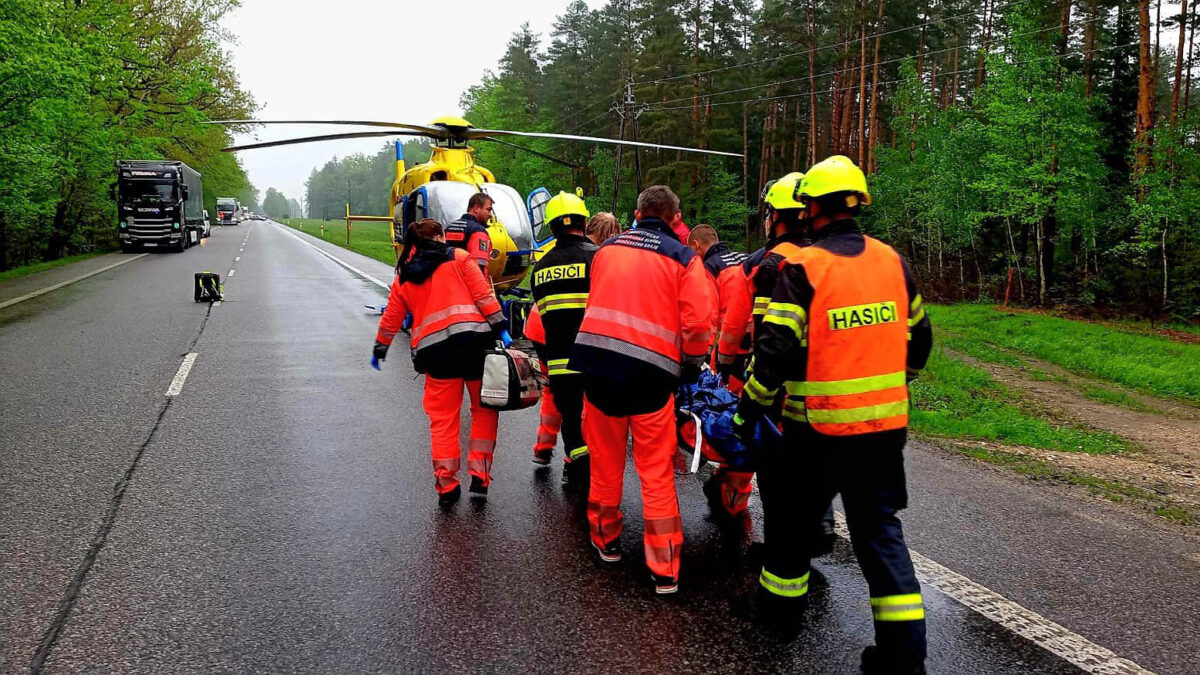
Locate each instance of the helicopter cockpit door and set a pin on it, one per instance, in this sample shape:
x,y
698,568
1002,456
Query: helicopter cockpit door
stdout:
x,y
415,206
536,204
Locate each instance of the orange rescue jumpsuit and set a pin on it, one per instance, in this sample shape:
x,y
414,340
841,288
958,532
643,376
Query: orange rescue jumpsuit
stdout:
x,y
651,306
455,317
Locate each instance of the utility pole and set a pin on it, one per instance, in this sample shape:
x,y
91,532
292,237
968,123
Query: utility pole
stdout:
x,y
627,109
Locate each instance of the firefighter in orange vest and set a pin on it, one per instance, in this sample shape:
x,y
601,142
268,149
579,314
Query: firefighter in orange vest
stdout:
x,y
843,334
651,314
456,318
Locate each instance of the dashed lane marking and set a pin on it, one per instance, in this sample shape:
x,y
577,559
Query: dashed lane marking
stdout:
x,y
343,263
237,258
1048,635
230,273
55,287
181,374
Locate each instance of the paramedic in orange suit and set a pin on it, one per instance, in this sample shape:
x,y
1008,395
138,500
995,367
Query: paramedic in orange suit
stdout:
x,y
456,318
650,317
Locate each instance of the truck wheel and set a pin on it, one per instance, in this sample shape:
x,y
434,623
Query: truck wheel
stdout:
x,y
182,245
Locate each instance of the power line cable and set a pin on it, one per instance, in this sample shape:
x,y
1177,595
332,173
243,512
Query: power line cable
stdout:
x,y
881,63
903,79
843,43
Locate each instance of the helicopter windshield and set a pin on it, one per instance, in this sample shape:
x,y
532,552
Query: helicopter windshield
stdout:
x,y
446,201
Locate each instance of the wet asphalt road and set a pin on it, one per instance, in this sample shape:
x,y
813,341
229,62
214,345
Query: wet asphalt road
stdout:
x,y
279,513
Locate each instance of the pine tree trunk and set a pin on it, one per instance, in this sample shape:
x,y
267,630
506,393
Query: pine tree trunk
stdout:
x,y
1187,90
870,167
862,86
812,83
1145,102
988,10
1166,276
1089,40
1183,8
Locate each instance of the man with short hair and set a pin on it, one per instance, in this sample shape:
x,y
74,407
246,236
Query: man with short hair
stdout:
x,y
651,313
470,231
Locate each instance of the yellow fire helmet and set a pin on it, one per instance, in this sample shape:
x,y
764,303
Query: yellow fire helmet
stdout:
x,y
783,193
832,175
566,210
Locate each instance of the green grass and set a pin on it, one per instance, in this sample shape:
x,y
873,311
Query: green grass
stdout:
x,y
1114,397
1146,363
956,400
373,240
26,270
1112,490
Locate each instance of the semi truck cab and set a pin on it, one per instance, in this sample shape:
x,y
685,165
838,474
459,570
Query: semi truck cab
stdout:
x,y
159,205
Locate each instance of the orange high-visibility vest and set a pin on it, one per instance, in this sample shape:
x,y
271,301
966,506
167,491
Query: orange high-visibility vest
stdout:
x,y
857,341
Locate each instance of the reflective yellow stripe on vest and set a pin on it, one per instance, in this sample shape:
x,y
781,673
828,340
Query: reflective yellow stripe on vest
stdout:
x,y
854,415
907,607
760,305
793,409
562,301
559,367
790,316
858,385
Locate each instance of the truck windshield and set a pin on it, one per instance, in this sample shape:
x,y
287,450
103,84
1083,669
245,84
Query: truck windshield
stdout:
x,y
227,206
144,189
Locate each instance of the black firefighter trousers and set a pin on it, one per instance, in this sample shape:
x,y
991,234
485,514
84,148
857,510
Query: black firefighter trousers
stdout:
x,y
568,398
797,480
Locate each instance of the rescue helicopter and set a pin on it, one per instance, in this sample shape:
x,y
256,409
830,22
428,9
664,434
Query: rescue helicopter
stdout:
x,y
440,188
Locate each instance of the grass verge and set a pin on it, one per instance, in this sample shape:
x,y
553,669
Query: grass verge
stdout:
x,y
26,270
956,400
1112,490
1146,363
373,240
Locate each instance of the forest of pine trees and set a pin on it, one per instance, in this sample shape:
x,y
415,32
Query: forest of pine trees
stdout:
x,y
1052,138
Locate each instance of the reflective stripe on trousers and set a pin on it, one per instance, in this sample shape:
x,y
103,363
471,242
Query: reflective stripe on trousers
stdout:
x,y
787,588
653,456
905,607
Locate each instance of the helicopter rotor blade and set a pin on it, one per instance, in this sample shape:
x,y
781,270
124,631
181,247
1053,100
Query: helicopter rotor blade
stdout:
x,y
325,137
435,132
481,133
543,155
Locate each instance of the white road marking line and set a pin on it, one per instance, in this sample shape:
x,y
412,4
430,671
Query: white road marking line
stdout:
x,y
343,263
181,374
237,258
59,285
1054,638
231,272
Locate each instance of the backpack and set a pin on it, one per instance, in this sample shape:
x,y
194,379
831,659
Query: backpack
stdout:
x,y
208,287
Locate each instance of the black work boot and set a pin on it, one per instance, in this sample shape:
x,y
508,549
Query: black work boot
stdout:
x,y
542,457
448,498
876,660
780,615
477,487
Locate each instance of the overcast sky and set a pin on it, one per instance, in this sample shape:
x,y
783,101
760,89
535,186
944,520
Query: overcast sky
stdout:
x,y
361,59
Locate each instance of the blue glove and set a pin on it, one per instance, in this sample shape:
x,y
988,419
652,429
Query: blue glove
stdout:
x,y
378,353
406,325
375,362
505,338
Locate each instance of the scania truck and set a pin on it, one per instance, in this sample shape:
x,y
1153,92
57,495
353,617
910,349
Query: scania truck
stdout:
x,y
160,204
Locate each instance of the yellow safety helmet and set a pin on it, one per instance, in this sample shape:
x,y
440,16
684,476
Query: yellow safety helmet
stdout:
x,y
832,175
782,194
566,210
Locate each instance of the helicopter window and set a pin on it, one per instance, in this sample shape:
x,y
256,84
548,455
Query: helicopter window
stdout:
x,y
437,175
537,201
